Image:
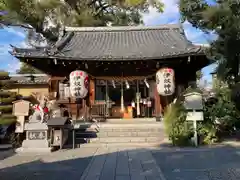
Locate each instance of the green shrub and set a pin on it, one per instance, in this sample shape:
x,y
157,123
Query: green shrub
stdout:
x,y
6,109
223,114
221,119
176,127
8,100
7,121
6,93
207,133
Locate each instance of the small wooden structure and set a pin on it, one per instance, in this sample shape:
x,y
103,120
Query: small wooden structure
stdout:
x,y
59,130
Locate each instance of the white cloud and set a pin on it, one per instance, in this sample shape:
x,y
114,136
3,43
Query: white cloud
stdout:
x,y
24,44
170,14
15,31
13,66
4,48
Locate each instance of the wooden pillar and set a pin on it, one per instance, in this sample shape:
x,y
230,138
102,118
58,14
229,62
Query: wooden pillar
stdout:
x,y
158,106
107,100
92,92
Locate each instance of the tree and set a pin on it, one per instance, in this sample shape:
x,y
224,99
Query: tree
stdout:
x,y
6,99
45,19
199,75
27,69
222,18
7,120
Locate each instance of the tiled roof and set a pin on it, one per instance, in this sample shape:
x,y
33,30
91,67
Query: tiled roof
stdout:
x,y
31,79
117,43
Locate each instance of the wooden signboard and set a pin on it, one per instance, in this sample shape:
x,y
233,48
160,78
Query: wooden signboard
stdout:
x,y
21,108
194,116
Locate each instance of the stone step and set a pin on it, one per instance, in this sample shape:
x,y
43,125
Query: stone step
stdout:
x,y
133,129
113,140
116,125
126,129
129,134
133,145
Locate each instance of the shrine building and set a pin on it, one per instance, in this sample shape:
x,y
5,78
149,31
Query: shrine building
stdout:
x,y
121,63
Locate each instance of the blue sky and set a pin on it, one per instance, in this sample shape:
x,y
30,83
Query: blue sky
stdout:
x,y
16,36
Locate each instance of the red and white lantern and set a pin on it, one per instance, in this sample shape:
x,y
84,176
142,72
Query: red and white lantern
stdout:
x,y
165,81
79,84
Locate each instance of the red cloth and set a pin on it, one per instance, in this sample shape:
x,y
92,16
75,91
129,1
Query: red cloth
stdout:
x,y
45,110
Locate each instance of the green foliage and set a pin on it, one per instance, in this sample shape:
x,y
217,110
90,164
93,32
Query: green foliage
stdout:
x,y
199,75
27,69
4,80
6,109
6,99
4,75
224,113
221,118
37,15
5,94
7,121
224,19
6,117
176,126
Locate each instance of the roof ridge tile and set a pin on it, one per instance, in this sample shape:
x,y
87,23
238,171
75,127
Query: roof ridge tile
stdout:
x,y
122,28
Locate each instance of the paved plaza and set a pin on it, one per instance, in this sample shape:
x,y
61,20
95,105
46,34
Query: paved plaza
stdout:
x,y
222,163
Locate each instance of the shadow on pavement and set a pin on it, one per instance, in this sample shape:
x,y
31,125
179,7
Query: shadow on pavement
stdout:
x,y
6,153
204,163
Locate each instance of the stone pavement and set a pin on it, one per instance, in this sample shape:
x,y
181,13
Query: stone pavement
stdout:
x,y
221,163
82,164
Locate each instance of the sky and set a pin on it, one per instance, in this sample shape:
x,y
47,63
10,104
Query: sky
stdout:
x,y
17,36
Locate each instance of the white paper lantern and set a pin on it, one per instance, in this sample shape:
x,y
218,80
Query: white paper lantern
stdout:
x,y
79,83
165,81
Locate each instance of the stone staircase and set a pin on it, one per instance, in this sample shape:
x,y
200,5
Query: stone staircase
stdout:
x,y
124,133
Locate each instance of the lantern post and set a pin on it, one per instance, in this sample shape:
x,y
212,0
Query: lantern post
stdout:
x,y
165,82
79,85
194,104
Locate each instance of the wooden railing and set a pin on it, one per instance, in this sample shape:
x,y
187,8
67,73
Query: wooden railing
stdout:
x,y
99,110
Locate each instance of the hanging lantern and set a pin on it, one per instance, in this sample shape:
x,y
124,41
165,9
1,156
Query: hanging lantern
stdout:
x,y
79,83
165,81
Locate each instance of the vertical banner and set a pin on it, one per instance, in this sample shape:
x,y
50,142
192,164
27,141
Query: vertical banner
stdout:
x,y
79,84
165,81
